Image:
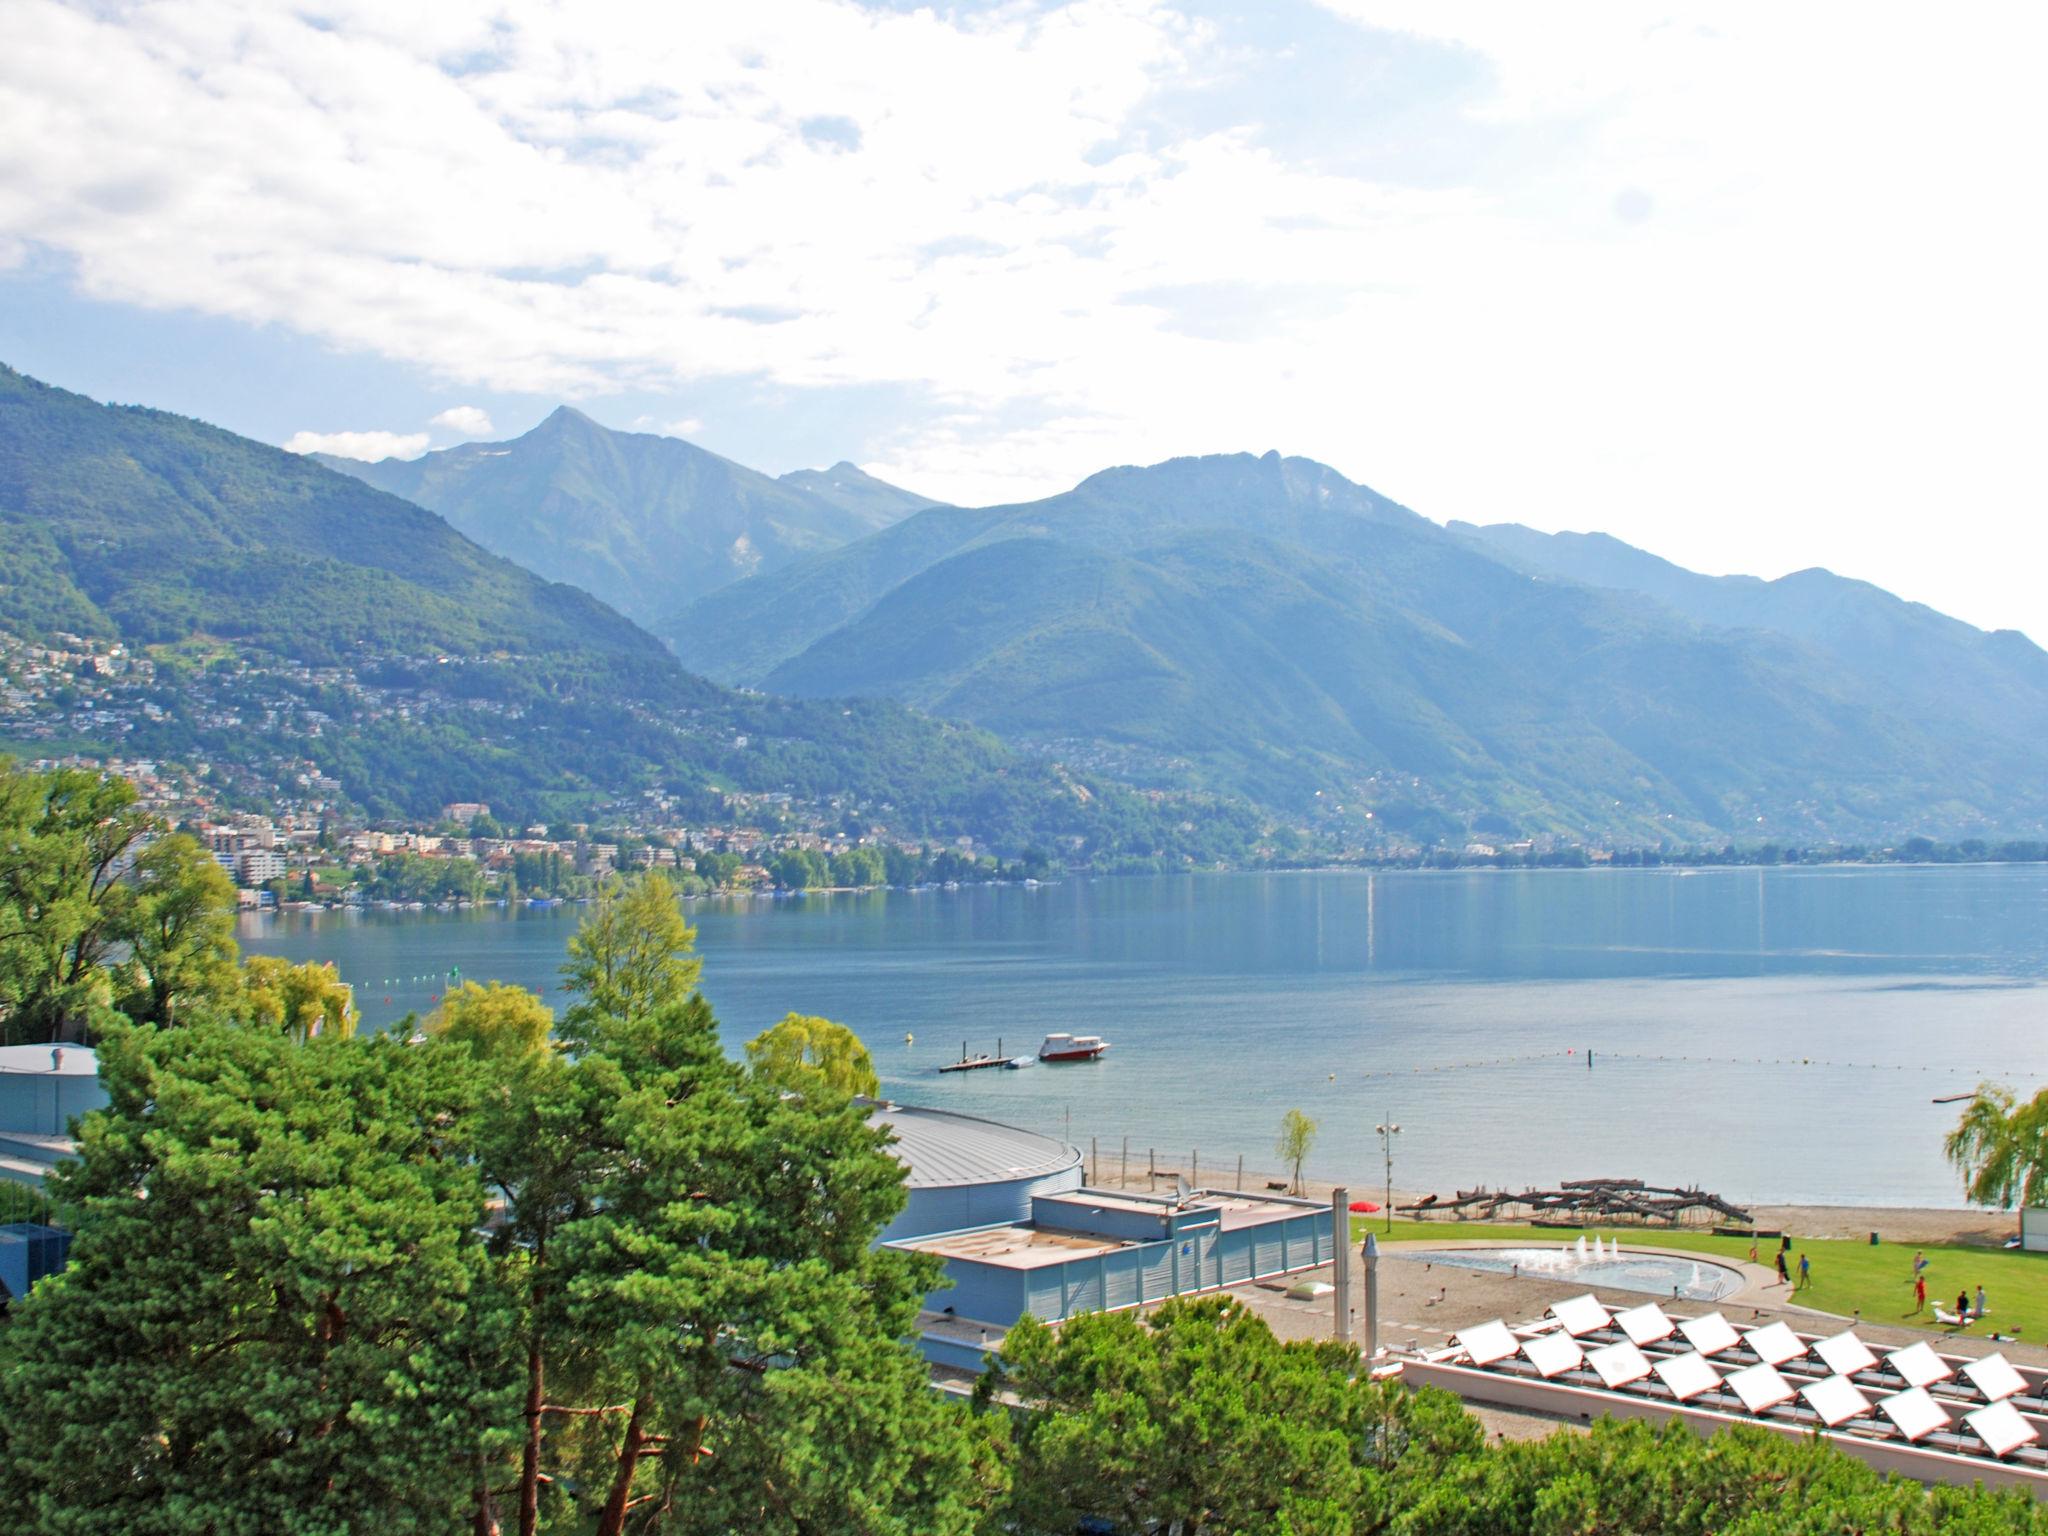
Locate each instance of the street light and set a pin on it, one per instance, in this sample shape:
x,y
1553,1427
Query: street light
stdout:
x,y
1387,1132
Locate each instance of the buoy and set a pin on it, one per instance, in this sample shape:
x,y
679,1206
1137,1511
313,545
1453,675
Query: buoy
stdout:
x,y
909,1038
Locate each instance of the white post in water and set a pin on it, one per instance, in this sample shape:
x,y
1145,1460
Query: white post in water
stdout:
x,y
1372,1299
1340,1263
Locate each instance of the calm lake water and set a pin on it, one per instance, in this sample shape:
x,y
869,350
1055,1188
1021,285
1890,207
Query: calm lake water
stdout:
x,y
1773,1036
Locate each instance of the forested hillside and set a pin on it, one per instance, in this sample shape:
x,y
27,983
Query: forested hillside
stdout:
x,y
283,619
1275,630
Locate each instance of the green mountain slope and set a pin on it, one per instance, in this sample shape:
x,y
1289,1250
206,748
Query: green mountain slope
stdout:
x,y
645,523
1993,684
153,527
1275,630
287,620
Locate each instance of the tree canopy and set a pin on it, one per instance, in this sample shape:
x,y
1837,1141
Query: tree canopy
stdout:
x,y
803,1052
2000,1147
632,954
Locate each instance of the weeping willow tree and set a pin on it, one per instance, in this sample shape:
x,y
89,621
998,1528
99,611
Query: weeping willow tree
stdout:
x,y
2000,1147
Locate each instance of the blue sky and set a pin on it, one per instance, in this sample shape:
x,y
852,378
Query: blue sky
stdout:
x,y
1755,287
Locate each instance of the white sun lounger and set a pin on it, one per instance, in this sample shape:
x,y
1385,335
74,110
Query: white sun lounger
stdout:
x,y
1774,1344
1918,1365
1835,1399
1845,1354
1488,1343
1995,1377
1618,1364
1760,1387
1553,1354
1581,1315
2002,1428
1710,1334
1915,1412
1688,1375
1646,1324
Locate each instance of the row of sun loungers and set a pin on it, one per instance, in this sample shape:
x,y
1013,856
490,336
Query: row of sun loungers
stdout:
x,y
1975,1407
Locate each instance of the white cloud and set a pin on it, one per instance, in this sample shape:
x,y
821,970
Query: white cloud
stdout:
x,y
359,445
687,426
469,420
1753,285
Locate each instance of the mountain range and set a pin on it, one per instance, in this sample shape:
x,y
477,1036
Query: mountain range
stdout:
x,y
1263,626
1221,632
291,618
644,522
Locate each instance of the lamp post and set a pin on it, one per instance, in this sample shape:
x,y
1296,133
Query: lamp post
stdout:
x,y
1387,1132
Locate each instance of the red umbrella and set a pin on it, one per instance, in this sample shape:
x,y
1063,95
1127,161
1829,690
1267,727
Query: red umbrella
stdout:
x,y
1366,1206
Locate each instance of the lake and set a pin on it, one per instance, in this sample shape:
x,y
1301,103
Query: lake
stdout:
x,y
1770,1035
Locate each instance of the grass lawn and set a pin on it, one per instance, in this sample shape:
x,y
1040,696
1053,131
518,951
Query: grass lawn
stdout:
x,y
1847,1276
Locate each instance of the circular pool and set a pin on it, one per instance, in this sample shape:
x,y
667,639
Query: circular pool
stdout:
x,y
1654,1274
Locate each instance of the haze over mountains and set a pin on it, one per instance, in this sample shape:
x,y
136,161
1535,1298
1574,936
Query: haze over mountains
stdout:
x,y
1277,631
1254,628
644,522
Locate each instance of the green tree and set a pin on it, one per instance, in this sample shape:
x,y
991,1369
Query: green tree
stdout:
x,y
630,956
65,839
1745,1481
277,1317
1196,1419
803,1052
179,926
1297,1137
493,1018
297,1001
2000,1147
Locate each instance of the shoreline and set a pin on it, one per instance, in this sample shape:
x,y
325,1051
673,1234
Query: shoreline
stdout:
x,y
1935,1226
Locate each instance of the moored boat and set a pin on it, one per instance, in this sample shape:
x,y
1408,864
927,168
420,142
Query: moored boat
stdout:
x,y
1065,1047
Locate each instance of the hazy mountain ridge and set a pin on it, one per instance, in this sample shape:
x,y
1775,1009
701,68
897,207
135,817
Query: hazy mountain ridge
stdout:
x,y
853,489
1287,632
643,522
1991,681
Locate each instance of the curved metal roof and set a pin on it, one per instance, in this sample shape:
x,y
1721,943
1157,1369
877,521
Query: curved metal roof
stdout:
x,y
941,1148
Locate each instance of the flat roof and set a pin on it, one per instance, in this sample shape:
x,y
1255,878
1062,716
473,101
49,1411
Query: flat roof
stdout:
x,y
49,1060
943,1149
1237,1207
1015,1247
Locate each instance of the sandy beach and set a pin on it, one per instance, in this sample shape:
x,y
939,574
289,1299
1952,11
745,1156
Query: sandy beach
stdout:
x,y
1895,1224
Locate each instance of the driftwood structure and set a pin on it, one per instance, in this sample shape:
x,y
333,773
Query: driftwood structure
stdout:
x,y
1578,1201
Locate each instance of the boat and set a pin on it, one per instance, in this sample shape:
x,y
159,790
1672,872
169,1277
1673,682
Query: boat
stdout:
x,y
1018,1063
1065,1047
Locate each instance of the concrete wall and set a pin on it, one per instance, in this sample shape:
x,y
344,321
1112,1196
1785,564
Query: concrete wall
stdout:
x,y
43,1104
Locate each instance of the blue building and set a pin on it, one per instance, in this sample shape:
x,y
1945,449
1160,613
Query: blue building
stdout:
x,y
42,1088
965,1172
1007,1211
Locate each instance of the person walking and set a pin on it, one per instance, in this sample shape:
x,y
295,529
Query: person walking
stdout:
x,y
1752,1251
1962,1309
1805,1272
1784,1275
1919,1264
1919,1294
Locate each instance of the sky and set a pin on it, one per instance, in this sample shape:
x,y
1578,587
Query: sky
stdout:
x,y
1757,287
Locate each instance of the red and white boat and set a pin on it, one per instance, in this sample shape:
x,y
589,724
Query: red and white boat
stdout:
x,y
1065,1047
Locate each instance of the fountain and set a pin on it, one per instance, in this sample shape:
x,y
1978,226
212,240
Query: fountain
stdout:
x,y
1582,1247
